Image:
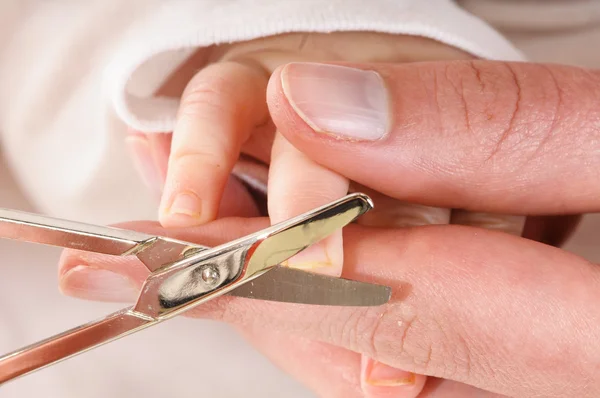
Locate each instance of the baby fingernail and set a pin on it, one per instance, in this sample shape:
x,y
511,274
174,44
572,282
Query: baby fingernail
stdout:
x,y
377,374
186,204
97,284
143,161
325,257
346,102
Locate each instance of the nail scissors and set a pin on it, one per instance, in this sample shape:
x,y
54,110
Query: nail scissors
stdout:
x,y
184,275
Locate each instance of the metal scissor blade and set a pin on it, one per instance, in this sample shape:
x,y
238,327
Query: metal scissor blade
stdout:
x,y
282,243
289,285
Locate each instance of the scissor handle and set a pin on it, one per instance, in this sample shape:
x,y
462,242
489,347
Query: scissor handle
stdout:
x,y
153,251
70,343
36,228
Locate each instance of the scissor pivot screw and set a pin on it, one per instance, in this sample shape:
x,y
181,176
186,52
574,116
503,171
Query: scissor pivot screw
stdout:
x,y
210,274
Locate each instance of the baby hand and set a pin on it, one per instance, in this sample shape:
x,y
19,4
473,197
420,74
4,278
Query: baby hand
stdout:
x,y
223,113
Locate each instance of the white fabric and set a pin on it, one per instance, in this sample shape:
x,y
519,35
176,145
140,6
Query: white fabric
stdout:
x,y
74,73
73,76
436,19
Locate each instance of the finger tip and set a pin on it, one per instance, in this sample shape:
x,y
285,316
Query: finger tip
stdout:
x,y
185,209
76,266
68,260
68,280
97,284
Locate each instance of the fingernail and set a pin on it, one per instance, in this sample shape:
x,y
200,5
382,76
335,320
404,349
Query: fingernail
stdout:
x,y
377,374
345,102
186,204
97,284
143,161
325,257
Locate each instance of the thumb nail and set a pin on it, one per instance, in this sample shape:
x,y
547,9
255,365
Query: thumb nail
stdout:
x,y
97,284
346,102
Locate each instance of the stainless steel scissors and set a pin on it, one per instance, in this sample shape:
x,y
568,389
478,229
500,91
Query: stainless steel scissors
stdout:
x,y
184,275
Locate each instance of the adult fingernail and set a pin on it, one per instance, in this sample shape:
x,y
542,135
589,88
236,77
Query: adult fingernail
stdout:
x,y
143,161
325,257
97,284
377,374
346,102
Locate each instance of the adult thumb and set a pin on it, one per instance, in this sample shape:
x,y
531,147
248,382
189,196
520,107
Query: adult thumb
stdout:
x,y
478,135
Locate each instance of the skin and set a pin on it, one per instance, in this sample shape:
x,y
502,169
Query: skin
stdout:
x,y
224,113
483,313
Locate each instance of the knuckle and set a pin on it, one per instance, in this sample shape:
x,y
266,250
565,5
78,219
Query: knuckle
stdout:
x,y
397,335
190,160
508,113
528,122
426,350
209,90
203,98
448,353
362,330
355,326
432,346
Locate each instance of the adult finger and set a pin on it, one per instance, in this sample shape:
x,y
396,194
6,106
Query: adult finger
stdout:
x,y
377,378
442,388
484,136
329,370
332,371
219,108
519,322
391,212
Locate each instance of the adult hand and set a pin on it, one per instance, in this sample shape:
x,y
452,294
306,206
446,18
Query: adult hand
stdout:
x,y
484,312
